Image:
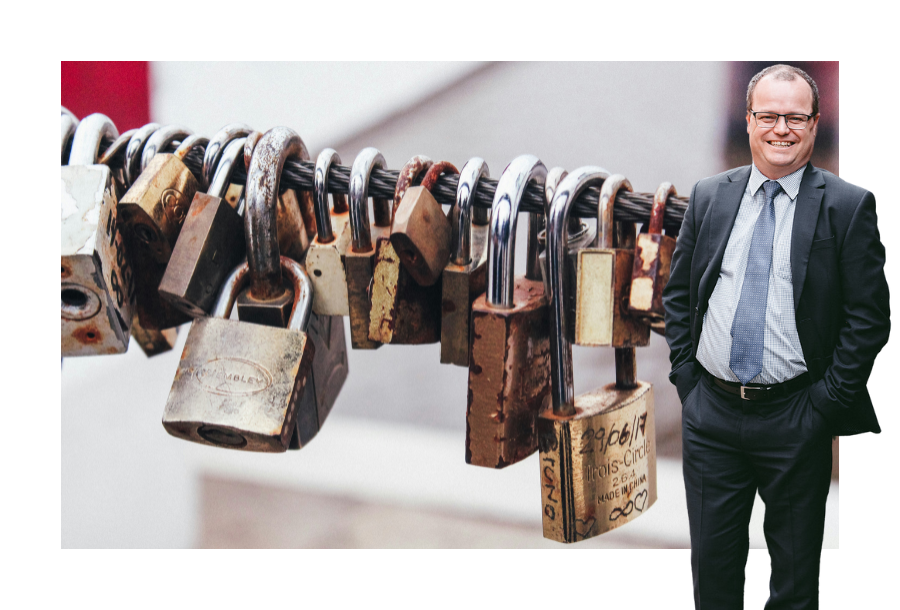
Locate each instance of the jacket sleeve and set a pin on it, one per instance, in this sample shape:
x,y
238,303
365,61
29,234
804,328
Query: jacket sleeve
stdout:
x,y
866,313
677,302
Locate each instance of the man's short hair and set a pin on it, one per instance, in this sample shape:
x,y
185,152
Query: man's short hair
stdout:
x,y
784,72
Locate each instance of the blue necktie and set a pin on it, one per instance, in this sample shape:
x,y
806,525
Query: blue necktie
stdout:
x,y
749,326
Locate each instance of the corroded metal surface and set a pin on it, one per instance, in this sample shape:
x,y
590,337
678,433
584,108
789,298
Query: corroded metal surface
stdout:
x,y
325,264
598,467
153,342
461,285
509,377
604,283
652,264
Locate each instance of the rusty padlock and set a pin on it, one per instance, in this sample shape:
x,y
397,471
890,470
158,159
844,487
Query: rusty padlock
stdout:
x,y
652,264
97,287
509,365
597,450
359,261
403,311
325,257
465,276
604,279
238,384
210,244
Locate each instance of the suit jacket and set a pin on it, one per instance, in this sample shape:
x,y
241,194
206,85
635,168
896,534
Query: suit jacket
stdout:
x,y
840,291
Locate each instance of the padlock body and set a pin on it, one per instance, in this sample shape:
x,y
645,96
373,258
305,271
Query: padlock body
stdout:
x,y
360,271
210,245
601,307
238,385
461,285
153,342
509,377
325,266
155,206
154,312
421,235
97,282
598,467
650,274
403,311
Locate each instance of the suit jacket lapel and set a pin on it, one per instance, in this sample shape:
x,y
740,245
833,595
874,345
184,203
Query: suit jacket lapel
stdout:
x,y
724,210
806,214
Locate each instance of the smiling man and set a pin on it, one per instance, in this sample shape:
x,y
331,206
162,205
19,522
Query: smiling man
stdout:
x,y
776,307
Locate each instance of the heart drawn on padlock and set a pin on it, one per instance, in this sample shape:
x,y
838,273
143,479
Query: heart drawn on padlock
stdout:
x,y
586,530
640,500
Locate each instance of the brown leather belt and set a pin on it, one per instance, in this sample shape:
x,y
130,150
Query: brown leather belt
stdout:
x,y
762,392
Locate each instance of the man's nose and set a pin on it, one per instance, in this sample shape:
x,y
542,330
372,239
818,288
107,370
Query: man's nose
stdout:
x,y
781,125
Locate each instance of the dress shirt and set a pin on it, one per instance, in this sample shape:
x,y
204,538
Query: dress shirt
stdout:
x,y
782,354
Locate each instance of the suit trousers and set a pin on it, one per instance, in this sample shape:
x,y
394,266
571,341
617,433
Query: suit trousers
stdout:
x,y
733,448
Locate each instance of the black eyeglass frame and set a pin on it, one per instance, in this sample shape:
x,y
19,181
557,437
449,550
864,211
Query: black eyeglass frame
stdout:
x,y
755,120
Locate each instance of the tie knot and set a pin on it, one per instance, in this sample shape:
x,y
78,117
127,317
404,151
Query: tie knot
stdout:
x,y
771,187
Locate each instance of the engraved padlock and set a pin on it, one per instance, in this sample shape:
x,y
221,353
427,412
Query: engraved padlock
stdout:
x,y
359,261
652,265
325,257
403,311
210,244
239,385
509,365
420,231
97,288
597,450
465,276
604,279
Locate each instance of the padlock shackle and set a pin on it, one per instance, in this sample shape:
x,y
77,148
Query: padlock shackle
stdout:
x,y
216,148
659,207
324,229
90,132
436,171
225,164
411,170
249,146
360,232
135,147
67,131
462,213
116,147
260,218
562,389
63,111
240,277
521,171
160,139
190,143
606,234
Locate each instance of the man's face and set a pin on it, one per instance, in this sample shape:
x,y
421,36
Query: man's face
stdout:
x,y
779,151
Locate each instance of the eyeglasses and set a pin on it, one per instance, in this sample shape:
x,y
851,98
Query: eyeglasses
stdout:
x,y
768,120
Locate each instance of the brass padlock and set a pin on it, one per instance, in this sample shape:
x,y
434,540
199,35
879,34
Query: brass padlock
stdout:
x,y
652,264
97,287
604,279
597,450
239,385
420,231
210,244
359,261
325,257
465,276
403,311
509,366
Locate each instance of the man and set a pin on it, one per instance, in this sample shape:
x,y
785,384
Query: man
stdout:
x,y
776,307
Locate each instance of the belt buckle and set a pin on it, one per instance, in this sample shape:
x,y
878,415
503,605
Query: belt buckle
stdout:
x,y
743,396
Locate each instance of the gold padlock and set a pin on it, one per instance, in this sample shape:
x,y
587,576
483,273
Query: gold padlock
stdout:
x,y
604,280
509,366
325,257
597,450
403,311
465,276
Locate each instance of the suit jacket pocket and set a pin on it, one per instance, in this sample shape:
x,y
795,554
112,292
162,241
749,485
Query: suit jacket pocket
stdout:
x,y
821,244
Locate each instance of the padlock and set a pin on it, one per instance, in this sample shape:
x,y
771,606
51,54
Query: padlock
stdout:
x,y
153,342
597,450
652,264
135,150
359,261
509,366
69,124
403,311
420,231
210,244
238,384
604,279
216,148
97,289
325,257
114,156
465,276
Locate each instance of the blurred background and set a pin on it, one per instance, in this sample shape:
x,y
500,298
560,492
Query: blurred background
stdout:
x,y
387,470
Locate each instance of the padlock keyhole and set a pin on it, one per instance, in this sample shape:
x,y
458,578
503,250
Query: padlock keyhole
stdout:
x,y
74,298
